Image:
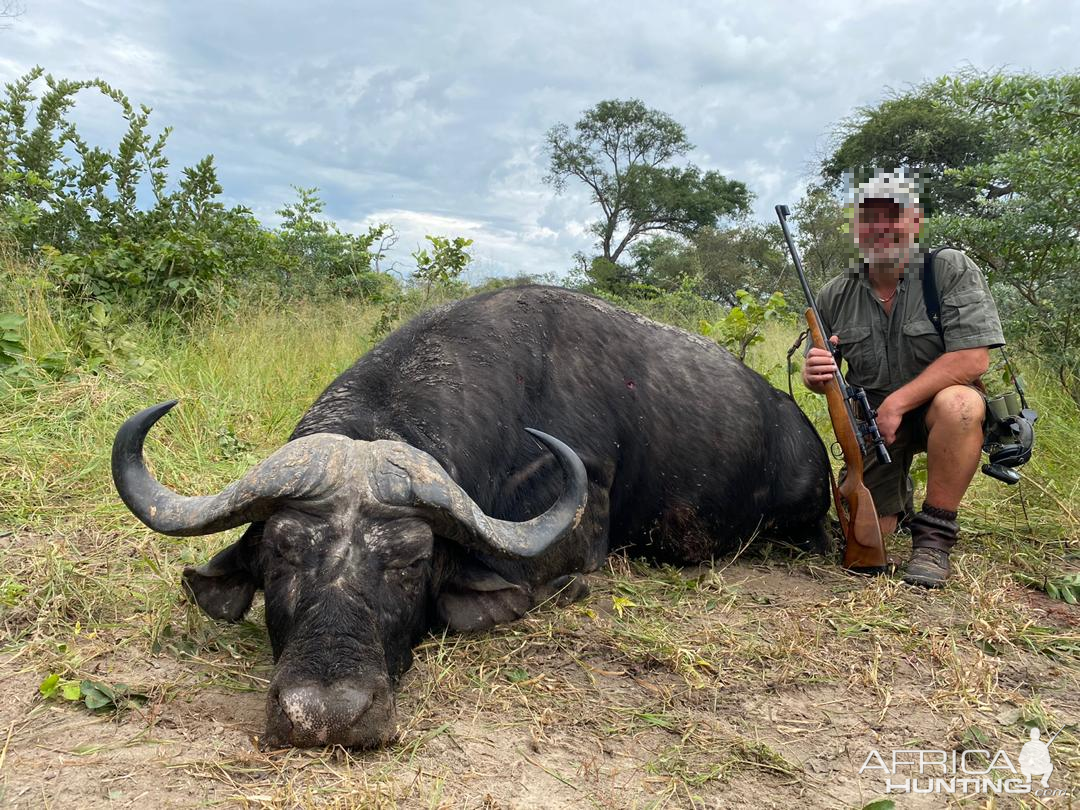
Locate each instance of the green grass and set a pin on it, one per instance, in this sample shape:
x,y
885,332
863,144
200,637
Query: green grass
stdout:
x,y
666,687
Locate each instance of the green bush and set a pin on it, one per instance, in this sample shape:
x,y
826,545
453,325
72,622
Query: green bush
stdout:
x,y
99,240
314,258
743,325
78,206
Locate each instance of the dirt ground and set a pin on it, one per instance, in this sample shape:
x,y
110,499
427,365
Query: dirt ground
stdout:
x,y
764,683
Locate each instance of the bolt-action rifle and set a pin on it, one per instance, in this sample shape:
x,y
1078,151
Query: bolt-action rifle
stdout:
x,y
853,421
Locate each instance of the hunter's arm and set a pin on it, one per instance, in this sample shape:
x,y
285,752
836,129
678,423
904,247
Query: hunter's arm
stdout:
x,y
959,367
971,328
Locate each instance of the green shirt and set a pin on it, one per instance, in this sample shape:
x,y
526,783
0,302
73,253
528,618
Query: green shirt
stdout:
x,y
884,352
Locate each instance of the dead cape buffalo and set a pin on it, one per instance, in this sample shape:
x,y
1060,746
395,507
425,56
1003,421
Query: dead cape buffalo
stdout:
x,y
410,496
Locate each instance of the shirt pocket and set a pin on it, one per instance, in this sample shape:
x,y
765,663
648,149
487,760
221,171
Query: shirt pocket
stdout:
x,y
858,349
922,345
959,301
967,312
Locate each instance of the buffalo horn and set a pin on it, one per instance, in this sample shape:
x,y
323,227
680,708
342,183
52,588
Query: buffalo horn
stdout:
x,y
310,468
406,476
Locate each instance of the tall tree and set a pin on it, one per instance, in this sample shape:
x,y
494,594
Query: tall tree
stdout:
x,y
748,256
1026,229
717,263
624,153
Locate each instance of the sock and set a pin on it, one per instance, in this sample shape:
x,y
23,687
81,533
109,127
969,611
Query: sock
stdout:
x,y
941,514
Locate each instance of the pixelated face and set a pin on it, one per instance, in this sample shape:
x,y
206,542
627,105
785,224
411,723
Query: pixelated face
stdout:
x,y
886,231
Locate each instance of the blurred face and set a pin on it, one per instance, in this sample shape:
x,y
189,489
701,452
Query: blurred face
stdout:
x,y
886,232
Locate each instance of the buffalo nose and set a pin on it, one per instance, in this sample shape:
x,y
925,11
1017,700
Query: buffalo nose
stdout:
x,y
324,714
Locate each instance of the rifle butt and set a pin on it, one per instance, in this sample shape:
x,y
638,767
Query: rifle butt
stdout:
x,y
864,549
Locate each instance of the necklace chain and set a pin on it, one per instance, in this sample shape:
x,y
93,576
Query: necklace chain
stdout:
x,y
891,297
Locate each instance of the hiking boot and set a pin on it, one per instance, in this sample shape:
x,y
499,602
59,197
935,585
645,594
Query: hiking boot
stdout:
x,y
933,534
928,567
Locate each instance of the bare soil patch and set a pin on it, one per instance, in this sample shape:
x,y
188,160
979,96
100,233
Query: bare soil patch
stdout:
x,y
761,683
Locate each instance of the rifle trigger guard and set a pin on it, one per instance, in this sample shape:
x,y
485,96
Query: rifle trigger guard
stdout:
x,y
836,450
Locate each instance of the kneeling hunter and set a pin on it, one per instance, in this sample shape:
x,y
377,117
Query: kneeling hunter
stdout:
x,y
925,386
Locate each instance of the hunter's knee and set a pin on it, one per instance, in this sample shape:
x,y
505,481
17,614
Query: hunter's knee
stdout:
x,y
958,406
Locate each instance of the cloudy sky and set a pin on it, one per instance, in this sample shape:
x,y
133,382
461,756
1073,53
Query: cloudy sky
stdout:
x,y
431,115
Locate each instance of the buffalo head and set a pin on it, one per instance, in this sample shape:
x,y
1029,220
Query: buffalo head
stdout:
x,y
343,543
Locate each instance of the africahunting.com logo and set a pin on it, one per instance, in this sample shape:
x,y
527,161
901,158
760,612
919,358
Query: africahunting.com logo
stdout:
x,y
971,771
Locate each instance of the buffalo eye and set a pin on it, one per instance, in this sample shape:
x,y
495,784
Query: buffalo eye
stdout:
x,y
404,548
405,565
293,537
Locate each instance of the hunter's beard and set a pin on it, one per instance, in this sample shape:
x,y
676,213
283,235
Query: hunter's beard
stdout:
x,y
894,256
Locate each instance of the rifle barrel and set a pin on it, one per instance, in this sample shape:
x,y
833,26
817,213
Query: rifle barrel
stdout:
x,y
867,417
782,212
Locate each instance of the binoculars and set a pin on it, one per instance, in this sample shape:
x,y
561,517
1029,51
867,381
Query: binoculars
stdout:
x,y
1011,436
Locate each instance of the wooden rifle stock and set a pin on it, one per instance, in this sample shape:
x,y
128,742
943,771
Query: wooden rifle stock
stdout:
x,y
863,547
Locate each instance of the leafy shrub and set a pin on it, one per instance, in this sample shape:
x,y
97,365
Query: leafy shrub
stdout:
x,y
78,206
105,240
12,342
743,325
443,266
315,258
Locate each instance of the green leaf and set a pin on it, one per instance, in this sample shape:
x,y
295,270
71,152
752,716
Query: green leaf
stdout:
x,y
880,804
11,322
49,686
71,690
621,603
95,701
98,314
97,695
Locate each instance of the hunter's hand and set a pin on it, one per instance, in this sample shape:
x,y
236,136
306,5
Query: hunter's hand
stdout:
x,y
888,420
819,368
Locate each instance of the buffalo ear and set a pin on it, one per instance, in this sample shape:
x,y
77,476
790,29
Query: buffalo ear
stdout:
x,y
474,597
224,587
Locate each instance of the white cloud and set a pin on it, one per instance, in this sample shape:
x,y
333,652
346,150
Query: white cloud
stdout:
x,y
435,113
495,250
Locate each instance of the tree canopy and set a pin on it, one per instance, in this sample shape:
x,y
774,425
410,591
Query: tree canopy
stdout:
x,y
914,131
624,152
